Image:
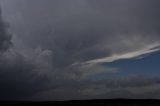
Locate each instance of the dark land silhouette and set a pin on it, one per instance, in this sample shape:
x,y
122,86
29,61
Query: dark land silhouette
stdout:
x,y
95,102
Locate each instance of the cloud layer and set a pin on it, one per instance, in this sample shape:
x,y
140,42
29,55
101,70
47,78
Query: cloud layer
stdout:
x,y
5,37
58,45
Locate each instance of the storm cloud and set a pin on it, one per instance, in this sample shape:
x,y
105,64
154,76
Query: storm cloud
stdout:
x,y
20,76
5,37
85,30
57,45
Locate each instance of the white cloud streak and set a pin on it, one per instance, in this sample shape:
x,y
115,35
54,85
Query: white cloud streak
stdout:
x,y
149,49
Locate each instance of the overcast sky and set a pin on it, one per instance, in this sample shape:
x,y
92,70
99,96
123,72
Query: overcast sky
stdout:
x,y
79,49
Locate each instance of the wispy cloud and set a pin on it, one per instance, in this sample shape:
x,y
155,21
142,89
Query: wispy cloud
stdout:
x,y
129,55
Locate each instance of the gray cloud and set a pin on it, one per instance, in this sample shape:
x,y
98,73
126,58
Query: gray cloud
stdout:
x,y
23,76
53,39
20,76
86,22
79,31
128,87
5,37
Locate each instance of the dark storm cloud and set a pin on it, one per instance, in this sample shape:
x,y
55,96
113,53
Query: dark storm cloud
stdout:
x,y
5,37
83,30
138,86
16,79
67,34
22,77
19,76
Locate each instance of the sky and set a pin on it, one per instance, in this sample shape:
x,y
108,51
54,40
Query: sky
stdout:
x,y
55,50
